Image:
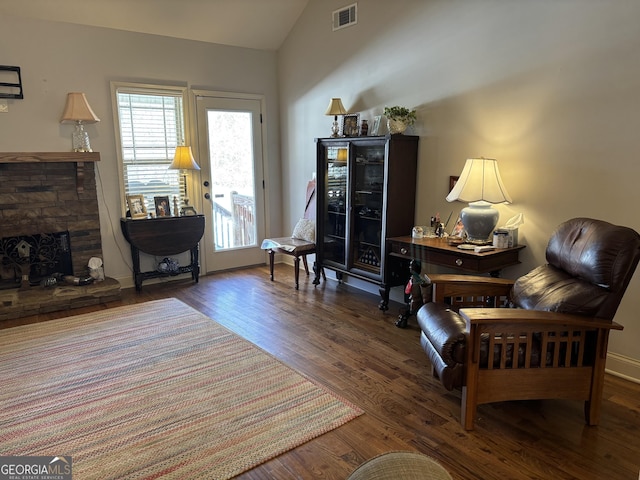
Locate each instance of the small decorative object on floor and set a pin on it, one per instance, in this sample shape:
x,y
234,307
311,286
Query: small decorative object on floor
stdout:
x,y
399,118
405,465
73,280
96,270
169,265
416,293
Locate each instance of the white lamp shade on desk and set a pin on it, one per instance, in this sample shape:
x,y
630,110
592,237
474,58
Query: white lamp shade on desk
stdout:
x,y
480,185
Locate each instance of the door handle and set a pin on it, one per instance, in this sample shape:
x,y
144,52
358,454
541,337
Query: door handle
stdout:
x,y
207,196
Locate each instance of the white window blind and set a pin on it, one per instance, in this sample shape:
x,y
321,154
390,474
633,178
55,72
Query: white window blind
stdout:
x,y
151,126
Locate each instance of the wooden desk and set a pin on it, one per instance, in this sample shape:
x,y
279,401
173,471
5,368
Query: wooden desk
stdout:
x,y
163,237
436,251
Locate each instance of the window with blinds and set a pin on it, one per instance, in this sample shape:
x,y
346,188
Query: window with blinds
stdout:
x,y
151,125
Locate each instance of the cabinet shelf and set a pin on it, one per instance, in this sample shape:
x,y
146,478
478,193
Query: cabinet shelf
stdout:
x,y
369,244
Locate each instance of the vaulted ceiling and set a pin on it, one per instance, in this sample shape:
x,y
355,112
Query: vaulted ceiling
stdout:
x,y
260,24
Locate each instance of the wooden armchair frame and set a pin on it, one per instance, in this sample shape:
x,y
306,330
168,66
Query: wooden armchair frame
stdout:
x,y
571,355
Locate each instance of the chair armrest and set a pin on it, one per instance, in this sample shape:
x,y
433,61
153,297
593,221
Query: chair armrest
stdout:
x,y
518,326
450,285
532,319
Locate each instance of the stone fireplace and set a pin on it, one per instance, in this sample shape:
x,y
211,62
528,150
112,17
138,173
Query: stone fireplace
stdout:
x,y
42,193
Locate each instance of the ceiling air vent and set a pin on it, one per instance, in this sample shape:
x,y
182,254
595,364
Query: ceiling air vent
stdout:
x,y
345,17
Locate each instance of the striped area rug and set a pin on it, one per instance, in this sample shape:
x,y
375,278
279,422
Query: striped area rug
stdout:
x,y
154,390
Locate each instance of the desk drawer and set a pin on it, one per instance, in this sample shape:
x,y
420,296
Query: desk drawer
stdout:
x,y
456,259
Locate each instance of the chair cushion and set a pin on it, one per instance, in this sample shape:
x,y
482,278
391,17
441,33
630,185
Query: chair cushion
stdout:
x,y
590,263
593,250
305,229
551,289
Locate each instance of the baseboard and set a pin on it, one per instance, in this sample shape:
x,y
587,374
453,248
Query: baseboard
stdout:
x,y
623,367
126,282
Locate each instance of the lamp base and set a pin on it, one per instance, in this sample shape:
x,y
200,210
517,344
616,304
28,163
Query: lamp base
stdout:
x,y
80,139
479,220
335,128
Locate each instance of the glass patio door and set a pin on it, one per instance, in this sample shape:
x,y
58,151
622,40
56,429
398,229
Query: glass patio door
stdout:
x,y
230,146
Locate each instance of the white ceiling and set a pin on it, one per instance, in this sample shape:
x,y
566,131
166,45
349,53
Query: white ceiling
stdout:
x,y
261,24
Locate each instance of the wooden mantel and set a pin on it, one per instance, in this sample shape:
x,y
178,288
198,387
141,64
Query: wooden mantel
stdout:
x,y
50,157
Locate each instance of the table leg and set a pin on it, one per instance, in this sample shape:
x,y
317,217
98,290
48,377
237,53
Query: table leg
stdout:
x,y
384,294
271,255
296,266
137,276
195,263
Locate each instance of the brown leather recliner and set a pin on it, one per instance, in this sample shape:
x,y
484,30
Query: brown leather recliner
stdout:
x,y
554,343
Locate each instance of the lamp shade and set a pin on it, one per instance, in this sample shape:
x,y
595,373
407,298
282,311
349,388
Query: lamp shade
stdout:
x,y
77,109
480,185
335,107
183,159
480,180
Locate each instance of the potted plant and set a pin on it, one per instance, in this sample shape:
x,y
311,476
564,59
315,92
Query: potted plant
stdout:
x,y
399,118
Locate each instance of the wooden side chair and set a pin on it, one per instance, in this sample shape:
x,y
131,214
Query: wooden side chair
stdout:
x,y
302,241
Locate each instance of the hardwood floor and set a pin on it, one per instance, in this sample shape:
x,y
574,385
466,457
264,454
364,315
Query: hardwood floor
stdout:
x,y
336,335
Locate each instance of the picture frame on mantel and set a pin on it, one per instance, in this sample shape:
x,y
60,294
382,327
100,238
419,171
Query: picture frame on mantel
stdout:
x,y
137,208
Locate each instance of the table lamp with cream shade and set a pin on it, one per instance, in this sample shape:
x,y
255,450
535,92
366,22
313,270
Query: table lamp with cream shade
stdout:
x,y
183,160
481,186
335,108
78,111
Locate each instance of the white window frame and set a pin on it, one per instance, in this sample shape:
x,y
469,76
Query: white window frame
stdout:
x,y
170,177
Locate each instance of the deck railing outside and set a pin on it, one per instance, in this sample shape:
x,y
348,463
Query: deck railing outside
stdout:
x,y
234,221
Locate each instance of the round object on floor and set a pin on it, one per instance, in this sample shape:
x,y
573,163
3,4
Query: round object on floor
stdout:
x,y
400,466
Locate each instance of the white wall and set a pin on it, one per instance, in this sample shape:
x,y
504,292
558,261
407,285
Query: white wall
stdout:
x,y
57,58
549,88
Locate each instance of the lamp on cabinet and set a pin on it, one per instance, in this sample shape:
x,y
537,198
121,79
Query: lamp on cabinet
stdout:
x,y
481,186
335,108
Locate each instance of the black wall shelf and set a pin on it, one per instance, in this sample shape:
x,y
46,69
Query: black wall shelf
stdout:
x,y
10,89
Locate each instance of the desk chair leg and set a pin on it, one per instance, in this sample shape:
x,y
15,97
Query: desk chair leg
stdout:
x,y
271,255
306,266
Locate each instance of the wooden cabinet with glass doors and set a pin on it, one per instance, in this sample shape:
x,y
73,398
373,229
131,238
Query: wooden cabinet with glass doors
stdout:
x,y
366,194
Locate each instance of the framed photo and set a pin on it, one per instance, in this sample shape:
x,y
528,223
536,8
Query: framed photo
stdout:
x,y
137,208
458,229
163,209
375,128
189,211
350,127
452,182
